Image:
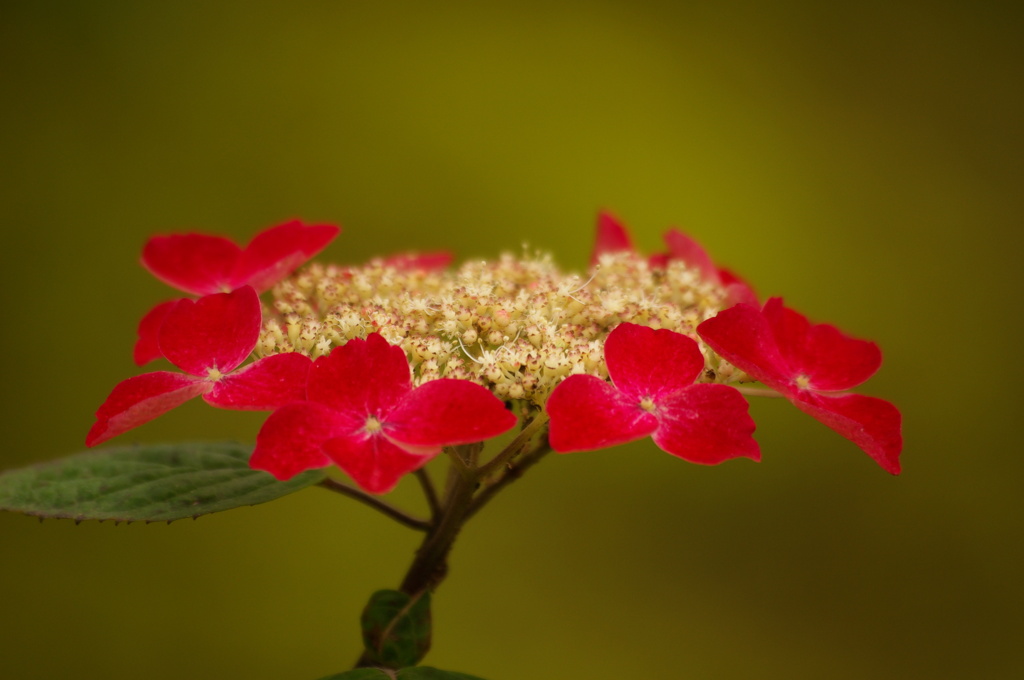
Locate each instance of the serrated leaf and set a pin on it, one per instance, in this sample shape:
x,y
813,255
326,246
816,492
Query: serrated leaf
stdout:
x,y
396,628
415,673
150,483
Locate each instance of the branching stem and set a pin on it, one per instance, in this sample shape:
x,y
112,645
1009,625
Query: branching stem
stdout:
x,y
391,511
758,392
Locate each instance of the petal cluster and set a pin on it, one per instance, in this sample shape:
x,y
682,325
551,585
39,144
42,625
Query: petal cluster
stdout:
x,y
208,339
613,237
364,415
201,264
810,364
652,393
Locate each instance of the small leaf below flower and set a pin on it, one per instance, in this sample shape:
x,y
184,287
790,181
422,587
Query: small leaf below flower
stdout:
x,y
396,628
150,483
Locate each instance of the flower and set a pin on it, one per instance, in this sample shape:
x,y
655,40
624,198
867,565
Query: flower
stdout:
x,y
208,339
202,264
809,364
613,237
652,392
685,249
364,415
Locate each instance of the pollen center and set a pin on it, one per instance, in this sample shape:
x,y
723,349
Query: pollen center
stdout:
x,y
372,426
803,382
647,404
213,374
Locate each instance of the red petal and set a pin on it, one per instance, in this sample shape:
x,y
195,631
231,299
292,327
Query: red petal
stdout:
x,y
374,463
445,412
737,290
832,360
644,362
419,261
706,424
140,399
291,440
870,423
147,347
612,237
195,263
216,331
263,385
588,413
362,377
684,248
275,253
741,335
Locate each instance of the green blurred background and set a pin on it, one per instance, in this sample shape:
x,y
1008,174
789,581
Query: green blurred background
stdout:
x,y
864,162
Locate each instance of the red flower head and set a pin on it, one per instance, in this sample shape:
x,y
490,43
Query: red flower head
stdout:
x,y
208,339
364,415
806,363
201,264
652,393
613,237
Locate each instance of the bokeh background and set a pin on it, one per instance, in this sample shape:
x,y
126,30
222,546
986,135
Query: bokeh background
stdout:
x,y
863,160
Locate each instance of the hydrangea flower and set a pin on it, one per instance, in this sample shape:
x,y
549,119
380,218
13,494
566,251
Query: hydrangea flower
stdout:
x,y
208,339
811,365
202,264
364,415
613,237
652,392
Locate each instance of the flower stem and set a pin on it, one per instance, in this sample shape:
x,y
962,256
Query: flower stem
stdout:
x,y
429,567
366,499
757,392
429,491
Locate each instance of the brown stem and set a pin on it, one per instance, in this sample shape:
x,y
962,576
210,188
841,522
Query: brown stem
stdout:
x,y
430,564
366,499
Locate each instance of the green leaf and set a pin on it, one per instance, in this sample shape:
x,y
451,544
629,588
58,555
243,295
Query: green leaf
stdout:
x,y
151,483
416,673
396,628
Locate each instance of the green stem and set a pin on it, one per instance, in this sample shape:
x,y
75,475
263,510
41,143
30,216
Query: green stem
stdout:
x,y
757,391
429,567
377,504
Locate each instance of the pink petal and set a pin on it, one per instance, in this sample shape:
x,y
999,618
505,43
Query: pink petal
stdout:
x,y
216,331
706,424
147,347
588,413
830,359
140,399
263,385
612,237
872,424
275,253
362,377
741,335
737,290
195,263
685,248
291,439
374,463
446,412
644,362
419,261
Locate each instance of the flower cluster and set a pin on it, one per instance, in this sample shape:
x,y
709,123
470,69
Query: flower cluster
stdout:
x,y
376,368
